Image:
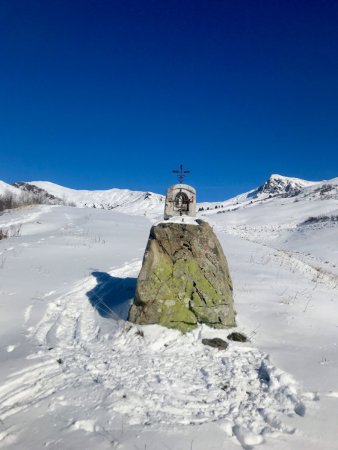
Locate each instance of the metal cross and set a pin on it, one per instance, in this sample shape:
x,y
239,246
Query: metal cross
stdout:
x,y
181,173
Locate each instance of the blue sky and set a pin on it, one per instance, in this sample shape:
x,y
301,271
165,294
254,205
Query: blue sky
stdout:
x,y
100,94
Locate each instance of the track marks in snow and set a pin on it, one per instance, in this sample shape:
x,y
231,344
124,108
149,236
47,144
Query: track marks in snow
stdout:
x,y
27,387
7,438
27,314
157,376
294,264
27,215
283,258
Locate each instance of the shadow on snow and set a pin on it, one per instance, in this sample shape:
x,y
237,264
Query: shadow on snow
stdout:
x,y
112,297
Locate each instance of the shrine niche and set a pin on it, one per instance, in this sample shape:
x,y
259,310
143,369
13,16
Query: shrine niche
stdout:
x,y
181,198
180,201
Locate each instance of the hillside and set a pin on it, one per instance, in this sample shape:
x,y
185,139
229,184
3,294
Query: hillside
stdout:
x,y
75,374
4,188
123,200
276,187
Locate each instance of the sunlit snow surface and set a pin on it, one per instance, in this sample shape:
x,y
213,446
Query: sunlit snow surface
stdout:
x,y
7,188
75,374
122,200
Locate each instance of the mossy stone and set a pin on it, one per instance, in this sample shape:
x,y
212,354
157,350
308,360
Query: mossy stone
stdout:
x,y
184,279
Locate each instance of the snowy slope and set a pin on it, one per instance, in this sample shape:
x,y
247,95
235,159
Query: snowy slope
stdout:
x,y
277,186
321,198
123,200
151,204
4,187
74,374
305,223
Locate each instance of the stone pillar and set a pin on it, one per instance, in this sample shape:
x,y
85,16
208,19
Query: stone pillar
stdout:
x,y
184,279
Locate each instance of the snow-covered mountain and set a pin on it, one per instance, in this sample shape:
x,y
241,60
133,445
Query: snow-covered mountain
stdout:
x,y
280,185
281,216
38,192
276,187
5,188
123,200
276,190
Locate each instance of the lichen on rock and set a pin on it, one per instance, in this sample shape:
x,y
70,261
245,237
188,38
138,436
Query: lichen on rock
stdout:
x,y
184,279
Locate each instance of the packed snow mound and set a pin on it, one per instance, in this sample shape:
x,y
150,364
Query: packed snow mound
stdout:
x,y
123,200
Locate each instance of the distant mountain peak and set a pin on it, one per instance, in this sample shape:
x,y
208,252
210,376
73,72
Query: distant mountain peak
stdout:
x,y
281,185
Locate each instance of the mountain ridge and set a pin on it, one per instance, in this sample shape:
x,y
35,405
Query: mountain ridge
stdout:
x,y
152,204
276,186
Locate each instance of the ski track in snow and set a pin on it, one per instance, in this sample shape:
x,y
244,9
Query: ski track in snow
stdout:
x,y
27,313
150,375
284,258
28,216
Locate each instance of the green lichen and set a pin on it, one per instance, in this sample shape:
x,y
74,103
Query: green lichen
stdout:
x,y
179,286
177,316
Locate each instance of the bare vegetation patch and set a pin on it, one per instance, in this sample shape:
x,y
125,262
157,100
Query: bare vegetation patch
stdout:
x,y
11,231
3,233
320,219
29,197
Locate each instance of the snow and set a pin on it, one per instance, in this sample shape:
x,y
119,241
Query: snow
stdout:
x,y
75,374
276,186
179,219
123,200
4,188
276,176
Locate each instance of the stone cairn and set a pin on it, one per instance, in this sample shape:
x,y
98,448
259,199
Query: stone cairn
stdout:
x,y
184,279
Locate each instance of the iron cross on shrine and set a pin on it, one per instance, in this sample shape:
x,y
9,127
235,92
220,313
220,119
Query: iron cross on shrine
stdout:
x,y
181,173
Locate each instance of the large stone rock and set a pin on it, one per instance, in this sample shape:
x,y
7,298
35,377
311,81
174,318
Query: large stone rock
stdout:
x,y
184,279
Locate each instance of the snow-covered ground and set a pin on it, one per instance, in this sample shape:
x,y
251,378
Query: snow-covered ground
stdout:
x,y
122,200
75,374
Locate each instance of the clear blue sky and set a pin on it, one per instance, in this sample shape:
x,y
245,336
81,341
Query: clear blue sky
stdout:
x,y
116,93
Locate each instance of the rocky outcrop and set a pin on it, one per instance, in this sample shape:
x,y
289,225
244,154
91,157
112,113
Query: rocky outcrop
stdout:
x,y
184,279
42,194
277,185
